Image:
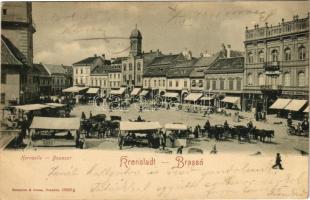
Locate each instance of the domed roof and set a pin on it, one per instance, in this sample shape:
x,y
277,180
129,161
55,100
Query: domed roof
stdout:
x,y
135,33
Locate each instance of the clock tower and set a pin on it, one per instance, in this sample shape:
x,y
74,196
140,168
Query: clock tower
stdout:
x,y
135,43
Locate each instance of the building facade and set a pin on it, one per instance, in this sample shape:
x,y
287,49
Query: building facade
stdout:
x,y
82,69
99,79
17,26
44,79
224,80
14,67
276,63
58,78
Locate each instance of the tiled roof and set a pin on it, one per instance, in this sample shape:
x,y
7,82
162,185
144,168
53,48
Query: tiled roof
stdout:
x,y
112,69
155,71
10,54
227,65
198,72
166,59
54,69
181,69
206,61
91,60
40,69
118,60
99,70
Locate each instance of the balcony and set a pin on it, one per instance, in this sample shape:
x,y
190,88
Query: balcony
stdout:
x,y
271,88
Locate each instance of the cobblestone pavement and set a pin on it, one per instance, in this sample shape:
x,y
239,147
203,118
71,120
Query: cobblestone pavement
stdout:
x,y
282,142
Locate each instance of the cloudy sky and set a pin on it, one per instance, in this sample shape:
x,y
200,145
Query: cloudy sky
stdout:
x,y
170,26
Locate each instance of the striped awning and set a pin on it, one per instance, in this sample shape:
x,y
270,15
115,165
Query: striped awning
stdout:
x,y
280,103
171,94
193,96
207,98
144,92
120,91
92,91
135,91
296,105
233,100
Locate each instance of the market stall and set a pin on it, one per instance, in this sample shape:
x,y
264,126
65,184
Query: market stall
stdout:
x,y
177,134
51,131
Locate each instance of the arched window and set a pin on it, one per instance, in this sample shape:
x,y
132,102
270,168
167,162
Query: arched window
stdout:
x,y
287,79
287,54
302,53
274,55
261,56
250,79
301,79
250,58
130,66
124,67
261,79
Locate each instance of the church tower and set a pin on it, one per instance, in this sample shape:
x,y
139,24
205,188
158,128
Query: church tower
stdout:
x,y
135,43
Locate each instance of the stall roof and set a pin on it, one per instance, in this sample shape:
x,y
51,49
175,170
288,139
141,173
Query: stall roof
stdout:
x,y
171,94
118,92
55,105
171,126
193,96
135,126
280,103
307,109
207,98
135,91
54,123
233,100
92,91
295,105
74,89
144,92
29,107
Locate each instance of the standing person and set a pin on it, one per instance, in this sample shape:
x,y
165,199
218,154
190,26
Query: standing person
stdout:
x,y
278,162
90,115
207,127
180,150
305,124
83,116
121,142
214,150
289,119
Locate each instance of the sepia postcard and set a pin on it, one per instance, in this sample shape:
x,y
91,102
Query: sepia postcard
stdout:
x,y
154,100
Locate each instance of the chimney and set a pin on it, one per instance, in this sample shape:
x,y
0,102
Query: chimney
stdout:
x,y
205,54
228,50
224,50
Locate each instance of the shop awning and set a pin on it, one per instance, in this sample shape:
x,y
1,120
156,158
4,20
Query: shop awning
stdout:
x,y
295,105
135,91
280,103
207,98
193,96
55,105
118,92
172,126
144,92
29,107
92,91
74,89
233,100
53,123
171,94
137,126
307,109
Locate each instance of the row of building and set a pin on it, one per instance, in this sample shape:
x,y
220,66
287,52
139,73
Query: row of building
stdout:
x,y
273,65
